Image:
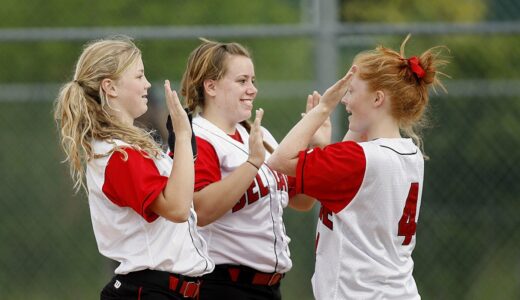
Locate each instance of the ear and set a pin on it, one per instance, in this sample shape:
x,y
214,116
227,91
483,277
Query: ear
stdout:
x,y
210,87
380,99
108,87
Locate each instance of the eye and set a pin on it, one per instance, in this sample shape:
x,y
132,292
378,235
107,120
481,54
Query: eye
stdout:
x,y
242,81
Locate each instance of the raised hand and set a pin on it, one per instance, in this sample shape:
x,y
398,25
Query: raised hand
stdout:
x,y
256,141
333,94
323,135
180,122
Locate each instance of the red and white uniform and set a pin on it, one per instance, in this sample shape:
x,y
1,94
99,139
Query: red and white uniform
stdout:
x,y
370,195
126,230
252,233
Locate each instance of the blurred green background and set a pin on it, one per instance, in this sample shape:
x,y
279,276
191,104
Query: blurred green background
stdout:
x,y
467,239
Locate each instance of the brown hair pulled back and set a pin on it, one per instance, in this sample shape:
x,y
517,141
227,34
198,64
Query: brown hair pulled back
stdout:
x,y
208,61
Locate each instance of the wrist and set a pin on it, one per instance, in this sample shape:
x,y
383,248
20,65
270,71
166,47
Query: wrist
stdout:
x,y
183,137
254,164
322,110
326,108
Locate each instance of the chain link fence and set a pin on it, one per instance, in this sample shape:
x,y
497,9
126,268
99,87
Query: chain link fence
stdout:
x,y
467,238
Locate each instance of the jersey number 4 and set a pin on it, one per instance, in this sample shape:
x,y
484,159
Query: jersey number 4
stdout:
x,y
407,225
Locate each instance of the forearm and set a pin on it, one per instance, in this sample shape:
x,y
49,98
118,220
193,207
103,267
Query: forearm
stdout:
x,y
283,158
175,200
214,200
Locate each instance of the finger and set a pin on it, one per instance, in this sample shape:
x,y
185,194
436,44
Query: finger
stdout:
x,y
172,97
347,76
255,129
168,94
309,103
315,98
176,102
167,89
258,118
341,86
350,73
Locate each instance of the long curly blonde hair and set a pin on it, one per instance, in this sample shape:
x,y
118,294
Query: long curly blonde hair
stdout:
x,y
79,110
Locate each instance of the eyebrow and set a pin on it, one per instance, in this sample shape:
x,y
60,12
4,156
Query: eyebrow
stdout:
x,y
245,75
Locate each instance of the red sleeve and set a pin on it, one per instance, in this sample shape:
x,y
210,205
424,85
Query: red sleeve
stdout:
x,y
134,183
207,165
332,175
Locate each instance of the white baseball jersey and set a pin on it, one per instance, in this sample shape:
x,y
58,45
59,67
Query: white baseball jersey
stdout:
x,y
252,233
370,195
126,230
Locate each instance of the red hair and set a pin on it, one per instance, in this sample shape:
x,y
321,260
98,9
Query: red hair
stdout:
x,y
405,81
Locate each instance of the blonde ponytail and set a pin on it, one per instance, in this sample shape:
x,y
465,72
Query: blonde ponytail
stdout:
x,y
79,110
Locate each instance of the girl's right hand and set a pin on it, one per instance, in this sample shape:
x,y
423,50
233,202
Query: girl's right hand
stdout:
x,y
180,122
256,141
333,94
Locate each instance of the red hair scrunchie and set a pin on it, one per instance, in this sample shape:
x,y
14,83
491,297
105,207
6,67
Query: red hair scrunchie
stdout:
x,y
413,63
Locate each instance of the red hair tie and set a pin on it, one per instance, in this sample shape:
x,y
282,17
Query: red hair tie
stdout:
x,y
413,62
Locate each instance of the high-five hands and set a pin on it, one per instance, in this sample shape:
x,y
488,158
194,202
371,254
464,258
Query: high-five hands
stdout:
x,y
333,94
256,141
323,135
179,121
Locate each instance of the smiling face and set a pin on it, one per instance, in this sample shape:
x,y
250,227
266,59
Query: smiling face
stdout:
x,y
235,92
132,91
359,103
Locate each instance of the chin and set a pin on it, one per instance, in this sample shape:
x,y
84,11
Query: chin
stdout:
x,y
142,112
246,116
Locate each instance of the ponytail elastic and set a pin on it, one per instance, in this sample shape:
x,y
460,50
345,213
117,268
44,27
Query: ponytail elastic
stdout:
x,y
413,63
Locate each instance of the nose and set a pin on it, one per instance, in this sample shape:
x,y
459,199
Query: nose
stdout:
x,y
344,99
252,90
148,84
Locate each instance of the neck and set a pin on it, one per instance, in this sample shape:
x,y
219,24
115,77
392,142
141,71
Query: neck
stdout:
x,y
386,127
127,120
216,118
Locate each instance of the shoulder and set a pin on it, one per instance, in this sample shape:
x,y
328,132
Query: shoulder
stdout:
x,y
392,147
118,149
106,148
335,156
344,148
204,144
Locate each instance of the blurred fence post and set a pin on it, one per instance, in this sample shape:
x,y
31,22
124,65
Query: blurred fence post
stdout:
x,y
326,51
